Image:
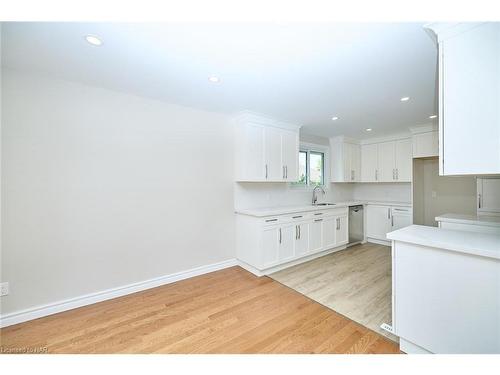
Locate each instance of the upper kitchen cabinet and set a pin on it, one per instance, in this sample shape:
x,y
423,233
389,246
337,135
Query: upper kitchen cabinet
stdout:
x,y
265,149
389,161
425,141
469,97
345,160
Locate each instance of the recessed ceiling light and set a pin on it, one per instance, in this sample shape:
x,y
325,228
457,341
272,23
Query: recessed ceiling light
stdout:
x,y
92,39
405,98
368,129
214,79
335,118
433,116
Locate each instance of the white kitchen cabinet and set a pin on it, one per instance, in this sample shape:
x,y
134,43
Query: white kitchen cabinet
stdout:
x,y
382,219
342,230
316,235
286,241
469,98
425,144
272,145
403,160
290,152
301,239
265,244
270,244
488,196
400,217
387,161
369,163
329,231
345,160
378,222
265,149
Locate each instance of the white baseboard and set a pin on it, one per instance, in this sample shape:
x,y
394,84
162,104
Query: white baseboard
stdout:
x,y
271,270
379,242
88,299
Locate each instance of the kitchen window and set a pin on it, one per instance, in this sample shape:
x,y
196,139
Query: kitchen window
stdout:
x,y
311,168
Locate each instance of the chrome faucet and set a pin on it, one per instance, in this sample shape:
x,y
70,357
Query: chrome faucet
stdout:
x,y
315,197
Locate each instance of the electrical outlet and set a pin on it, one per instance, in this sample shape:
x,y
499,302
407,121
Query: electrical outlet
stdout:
x,y
4,289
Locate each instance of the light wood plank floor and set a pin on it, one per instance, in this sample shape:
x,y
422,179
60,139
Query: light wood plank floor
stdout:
x,y
355,282
228,311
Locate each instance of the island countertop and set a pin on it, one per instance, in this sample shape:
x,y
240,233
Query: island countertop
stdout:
x,y
489,221
474,243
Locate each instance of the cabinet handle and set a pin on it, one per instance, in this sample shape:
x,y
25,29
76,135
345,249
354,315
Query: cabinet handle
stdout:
x,y
283,172
338,224
296,217
280,234
286,171
388,213
392,220
479,199
376,174
318,219
266,171
296,232
319,213
269,220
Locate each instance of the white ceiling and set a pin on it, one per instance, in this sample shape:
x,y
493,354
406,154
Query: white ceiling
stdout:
x,y
304,73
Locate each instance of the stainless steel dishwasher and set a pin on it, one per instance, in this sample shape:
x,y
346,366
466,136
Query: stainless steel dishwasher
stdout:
x,y
356,233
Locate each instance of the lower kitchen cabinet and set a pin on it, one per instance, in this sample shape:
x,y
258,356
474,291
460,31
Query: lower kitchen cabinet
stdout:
x,y
263,244
382,219
341,230
316,239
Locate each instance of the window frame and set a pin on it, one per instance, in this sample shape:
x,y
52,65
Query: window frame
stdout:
x,y
317,149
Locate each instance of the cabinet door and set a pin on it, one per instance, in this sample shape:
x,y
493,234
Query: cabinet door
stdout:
x,y
378,221
356,162
400,220
425,145
369,163
403,160
270,244
273,154
329,230
346,154
342,230
316,235
469,101
386,162
250,153
286,240
290,154
488,194
301,239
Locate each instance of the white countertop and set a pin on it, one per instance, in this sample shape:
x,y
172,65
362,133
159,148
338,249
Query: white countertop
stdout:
x,y
490,221
483,244
283,210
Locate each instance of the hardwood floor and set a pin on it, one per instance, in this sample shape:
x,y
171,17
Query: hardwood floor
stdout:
x,y
228,311
355,282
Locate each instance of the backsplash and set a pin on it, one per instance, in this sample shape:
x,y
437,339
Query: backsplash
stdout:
x,y
265,194
379,191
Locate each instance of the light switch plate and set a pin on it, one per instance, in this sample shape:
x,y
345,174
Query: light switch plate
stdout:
x,y
4,289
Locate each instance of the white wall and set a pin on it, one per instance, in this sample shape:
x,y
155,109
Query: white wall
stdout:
x,y
102,189
435,195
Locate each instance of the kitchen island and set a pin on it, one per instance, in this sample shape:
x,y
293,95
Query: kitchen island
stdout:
x,y
446,290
